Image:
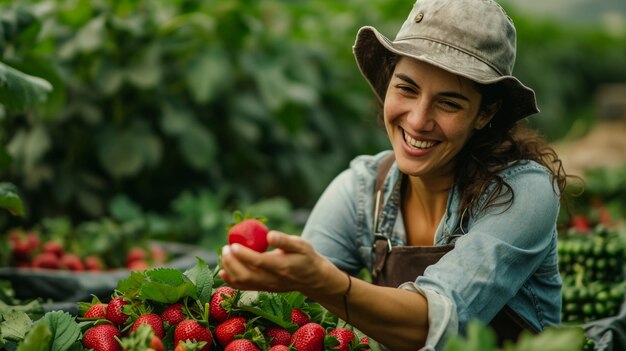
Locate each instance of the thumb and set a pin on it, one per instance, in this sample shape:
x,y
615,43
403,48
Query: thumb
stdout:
x,y
286,242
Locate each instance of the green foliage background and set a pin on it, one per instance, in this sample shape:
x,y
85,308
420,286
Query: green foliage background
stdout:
x,y
165,105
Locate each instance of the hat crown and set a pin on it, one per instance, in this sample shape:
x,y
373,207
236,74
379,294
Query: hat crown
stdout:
x,y
480,28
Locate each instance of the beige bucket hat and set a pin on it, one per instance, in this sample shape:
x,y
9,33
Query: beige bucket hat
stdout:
x,y
472,38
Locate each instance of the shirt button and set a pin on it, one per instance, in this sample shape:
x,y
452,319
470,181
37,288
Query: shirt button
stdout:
x,y
419,17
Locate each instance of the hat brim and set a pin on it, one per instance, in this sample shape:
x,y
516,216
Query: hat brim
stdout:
x,y
373,51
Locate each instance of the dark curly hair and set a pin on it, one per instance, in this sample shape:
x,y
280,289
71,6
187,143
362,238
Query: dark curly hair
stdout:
x,y
495,148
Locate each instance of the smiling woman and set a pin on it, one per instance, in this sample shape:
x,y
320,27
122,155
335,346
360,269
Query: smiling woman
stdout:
x,y
457,222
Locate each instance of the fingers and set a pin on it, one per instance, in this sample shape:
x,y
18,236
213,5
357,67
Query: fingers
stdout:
x,y
241,269
291,265
288,243
234,271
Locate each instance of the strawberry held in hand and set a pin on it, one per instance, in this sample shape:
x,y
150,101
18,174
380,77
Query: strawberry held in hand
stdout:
x,y
251,233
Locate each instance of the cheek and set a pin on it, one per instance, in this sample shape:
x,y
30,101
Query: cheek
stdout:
x,y
391,109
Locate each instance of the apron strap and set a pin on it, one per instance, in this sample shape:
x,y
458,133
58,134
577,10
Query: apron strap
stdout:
x,y
382,243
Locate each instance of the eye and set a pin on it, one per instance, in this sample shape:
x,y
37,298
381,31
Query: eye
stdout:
x,y
450,106
406,89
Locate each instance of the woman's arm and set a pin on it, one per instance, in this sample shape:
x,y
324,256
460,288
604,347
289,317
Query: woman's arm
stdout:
x,y
393,317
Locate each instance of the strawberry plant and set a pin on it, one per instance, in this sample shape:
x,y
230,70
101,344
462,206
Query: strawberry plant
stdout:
x,y
256,321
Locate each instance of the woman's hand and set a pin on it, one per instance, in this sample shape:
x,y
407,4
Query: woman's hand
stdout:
x,y
292,265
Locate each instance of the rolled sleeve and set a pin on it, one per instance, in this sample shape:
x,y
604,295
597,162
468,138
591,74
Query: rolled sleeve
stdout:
x,y
442,317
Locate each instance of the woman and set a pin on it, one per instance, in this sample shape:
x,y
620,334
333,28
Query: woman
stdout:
x,y
459,223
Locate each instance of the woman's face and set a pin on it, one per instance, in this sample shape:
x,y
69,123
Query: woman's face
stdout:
x,y
429,115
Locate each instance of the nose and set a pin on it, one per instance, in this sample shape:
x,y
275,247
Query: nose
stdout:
x,y
420,116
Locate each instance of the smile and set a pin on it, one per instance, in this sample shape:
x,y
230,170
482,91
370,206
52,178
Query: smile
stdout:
x,y
418,144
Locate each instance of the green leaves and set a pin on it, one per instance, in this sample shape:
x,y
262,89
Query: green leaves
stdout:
x,y
15,325
274,308
38,339
19,90
55,331
209,74
126,152
202,278
165,285
482,338
10,200
551,339
63,329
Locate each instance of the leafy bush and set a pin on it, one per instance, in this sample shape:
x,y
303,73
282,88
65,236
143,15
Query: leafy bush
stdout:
x,y
243,100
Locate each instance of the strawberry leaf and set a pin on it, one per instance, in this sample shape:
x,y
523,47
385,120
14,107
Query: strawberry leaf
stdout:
x,y
330,341
167,285
320,315
65,331
37,339
201,276
132,285
15,325
83,307
273,307
553,339
10,200
33,309
294,299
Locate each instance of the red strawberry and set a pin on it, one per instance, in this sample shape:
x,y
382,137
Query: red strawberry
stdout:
x,y
279,348
278,336
190,330
151,319
241,345
159,255
53,247
138,265
299,317
220,303
366,341
581,223
156,344
143,338
173,314
344,336
136,253
190,346
33,240
23,244
251,233
309,337
93,263
20,250
98,310
102,338
114,311
225,332
71,262
46,260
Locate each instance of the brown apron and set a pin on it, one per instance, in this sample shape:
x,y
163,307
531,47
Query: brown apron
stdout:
x,y
399,264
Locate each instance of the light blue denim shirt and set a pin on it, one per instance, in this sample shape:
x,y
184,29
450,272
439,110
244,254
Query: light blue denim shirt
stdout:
x,y
504,257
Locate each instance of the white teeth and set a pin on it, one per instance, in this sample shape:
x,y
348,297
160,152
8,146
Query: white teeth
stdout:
x,y
420,144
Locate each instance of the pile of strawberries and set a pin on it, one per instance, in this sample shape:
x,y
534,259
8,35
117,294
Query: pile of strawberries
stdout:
x,y
127,322
29,250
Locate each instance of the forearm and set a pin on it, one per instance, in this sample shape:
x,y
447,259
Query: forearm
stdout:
x,y
393,317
